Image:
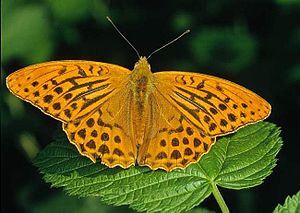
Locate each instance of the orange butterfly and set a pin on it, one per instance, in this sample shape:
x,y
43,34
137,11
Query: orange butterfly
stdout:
x,y
164,120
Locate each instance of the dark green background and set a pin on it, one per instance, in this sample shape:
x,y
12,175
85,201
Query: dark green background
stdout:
x,y
253,43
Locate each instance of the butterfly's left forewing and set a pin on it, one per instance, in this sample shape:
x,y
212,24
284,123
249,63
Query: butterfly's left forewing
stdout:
x,y
90,98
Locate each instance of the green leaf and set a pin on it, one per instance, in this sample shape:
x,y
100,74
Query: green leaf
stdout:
x,y
60,202
239,161
291,205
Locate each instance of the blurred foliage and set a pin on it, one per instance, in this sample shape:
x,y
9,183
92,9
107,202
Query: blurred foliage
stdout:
x,y
39,43
294,74
29,144
69,11
254,43
288,2
181,21
224,49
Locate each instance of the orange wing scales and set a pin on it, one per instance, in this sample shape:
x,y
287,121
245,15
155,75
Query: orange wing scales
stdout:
x,y
192,109
62,90
165,120
175,148
215,106
172,141
79,93
98,135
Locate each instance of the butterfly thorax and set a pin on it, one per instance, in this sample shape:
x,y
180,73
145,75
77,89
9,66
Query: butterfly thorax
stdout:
x,y
141,79
142,86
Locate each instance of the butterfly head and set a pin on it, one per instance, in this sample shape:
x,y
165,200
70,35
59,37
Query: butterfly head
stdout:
x,y
141,69
142,64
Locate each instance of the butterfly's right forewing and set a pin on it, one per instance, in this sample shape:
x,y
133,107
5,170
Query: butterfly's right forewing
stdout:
x,y
66,89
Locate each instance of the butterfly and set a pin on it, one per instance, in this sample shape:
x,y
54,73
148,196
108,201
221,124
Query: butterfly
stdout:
x,y
163,120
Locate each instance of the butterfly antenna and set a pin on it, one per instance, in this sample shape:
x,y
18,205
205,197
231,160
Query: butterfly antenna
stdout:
x,y
137,52
167,44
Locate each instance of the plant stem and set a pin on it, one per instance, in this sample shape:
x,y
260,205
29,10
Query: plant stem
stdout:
x,y
219,199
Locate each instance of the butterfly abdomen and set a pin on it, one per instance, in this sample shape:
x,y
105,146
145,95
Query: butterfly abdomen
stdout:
x,y
141,93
